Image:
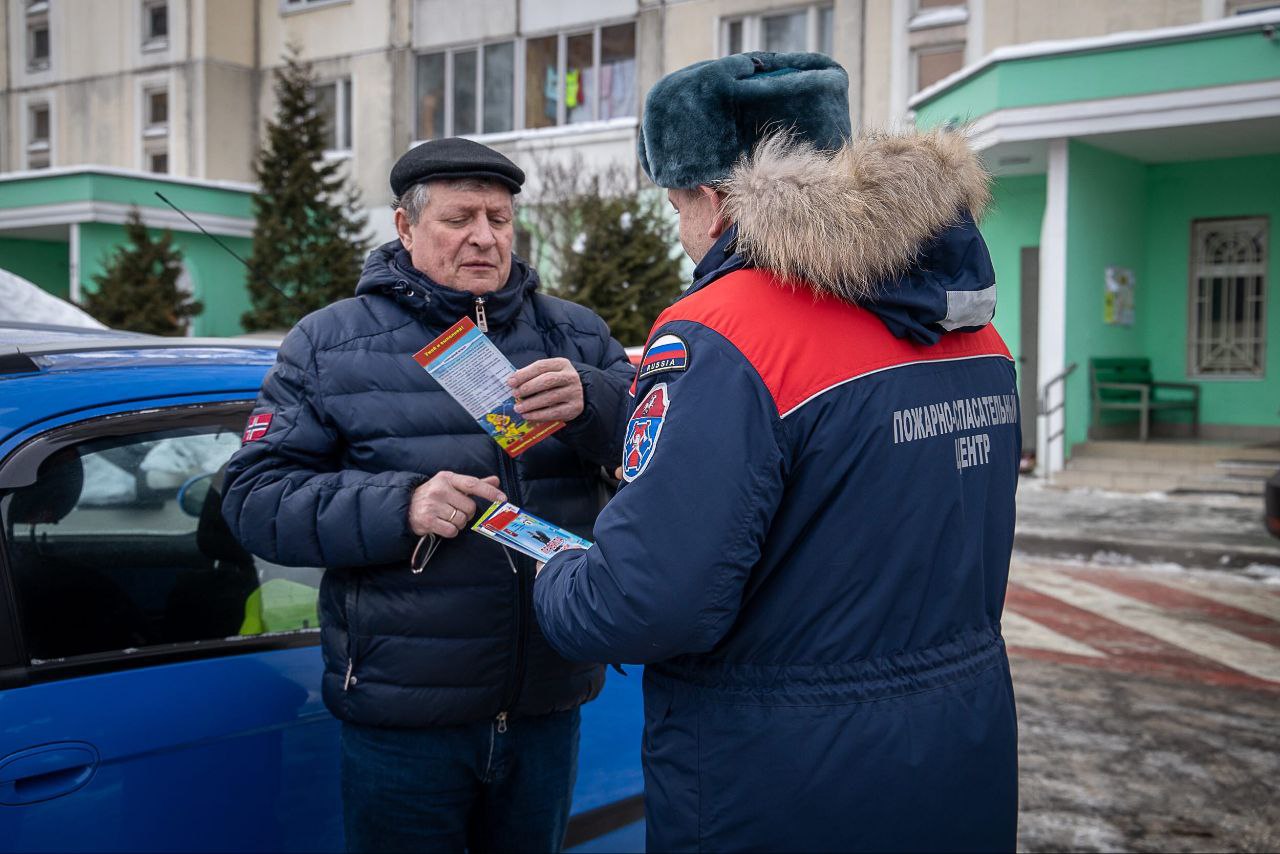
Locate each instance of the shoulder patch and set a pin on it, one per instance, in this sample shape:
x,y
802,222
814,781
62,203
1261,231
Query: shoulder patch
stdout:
x,y
257,426
667,353
643,431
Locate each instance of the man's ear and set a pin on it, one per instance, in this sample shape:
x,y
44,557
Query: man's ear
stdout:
x,y
402,229
719,223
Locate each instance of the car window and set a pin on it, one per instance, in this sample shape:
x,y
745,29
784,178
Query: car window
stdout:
x,y
119,544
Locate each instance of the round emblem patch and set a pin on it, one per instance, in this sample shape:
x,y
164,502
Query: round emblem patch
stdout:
x,y
643,431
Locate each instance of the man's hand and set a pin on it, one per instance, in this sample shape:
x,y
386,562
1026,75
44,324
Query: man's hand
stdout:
x,y
441,505
547,390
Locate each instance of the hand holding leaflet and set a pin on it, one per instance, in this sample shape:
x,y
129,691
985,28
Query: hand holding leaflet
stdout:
x,y
512,527
468,365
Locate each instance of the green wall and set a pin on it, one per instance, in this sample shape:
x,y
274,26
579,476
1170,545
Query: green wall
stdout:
x,y
1209,60
1106,226
1177,194
124,189
47,263
217,279
1012,222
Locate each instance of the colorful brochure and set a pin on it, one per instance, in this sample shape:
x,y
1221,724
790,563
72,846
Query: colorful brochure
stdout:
x,y
526,533
468,365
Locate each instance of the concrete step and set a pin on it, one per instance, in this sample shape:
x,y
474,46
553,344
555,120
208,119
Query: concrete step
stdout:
x,y
1122,465
1073,478
1169,449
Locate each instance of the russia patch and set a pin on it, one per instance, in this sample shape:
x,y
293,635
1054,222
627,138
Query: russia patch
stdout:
x,y
257,426
667,353
643,431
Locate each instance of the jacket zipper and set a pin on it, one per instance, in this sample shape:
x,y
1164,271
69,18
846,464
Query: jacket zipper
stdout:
x,y
353,603
482,319
522,605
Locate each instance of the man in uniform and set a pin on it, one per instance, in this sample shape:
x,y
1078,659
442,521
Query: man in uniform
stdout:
x,y
811,548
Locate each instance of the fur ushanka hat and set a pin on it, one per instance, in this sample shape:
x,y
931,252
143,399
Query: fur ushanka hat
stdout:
x,y
699,120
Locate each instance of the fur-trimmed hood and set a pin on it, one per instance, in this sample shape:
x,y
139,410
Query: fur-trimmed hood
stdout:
x,y
887,221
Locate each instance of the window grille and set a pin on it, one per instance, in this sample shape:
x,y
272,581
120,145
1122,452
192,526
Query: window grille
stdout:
x,y
1227,329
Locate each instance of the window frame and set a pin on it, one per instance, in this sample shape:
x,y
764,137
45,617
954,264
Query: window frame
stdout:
x,y
150,41
343,111
1194,369
35,22
19,469
519,78
38,148
753,27
913,70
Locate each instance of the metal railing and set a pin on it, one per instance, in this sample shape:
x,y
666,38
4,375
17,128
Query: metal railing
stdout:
x,y
1046,412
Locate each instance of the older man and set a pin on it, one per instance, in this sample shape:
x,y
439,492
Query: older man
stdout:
x,y
812,546
460,724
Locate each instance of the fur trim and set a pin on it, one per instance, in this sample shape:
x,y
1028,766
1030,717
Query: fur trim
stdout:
x,y
847,220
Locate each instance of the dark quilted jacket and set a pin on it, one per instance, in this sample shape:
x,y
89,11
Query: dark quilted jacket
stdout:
x,y
355,426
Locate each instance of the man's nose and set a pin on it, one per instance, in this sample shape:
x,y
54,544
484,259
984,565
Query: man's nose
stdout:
x,y
482,235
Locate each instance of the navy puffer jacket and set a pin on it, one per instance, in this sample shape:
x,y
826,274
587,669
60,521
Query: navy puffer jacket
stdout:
x,y
354,425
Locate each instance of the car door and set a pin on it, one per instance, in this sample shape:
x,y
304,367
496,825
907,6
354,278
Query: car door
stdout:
x,y
159,687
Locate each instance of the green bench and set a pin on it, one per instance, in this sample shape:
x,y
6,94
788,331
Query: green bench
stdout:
x,y
1126,384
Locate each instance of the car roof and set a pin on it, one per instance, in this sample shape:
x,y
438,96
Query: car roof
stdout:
x,y
48,373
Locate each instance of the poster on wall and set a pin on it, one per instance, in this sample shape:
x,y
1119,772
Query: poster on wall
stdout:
x,y
1117,303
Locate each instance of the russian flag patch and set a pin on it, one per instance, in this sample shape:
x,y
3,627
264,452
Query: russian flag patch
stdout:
x,y
257,426
667,353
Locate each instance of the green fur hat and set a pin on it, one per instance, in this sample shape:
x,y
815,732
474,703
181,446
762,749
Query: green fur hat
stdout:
x,y
699,120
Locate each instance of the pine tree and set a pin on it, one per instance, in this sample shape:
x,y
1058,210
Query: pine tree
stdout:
x,y
138,287
606,245
623,266
308,241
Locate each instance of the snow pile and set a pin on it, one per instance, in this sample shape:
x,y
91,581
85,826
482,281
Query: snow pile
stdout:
x,y
25,302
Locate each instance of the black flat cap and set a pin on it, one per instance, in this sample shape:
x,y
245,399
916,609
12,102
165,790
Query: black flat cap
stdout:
x,y
453,157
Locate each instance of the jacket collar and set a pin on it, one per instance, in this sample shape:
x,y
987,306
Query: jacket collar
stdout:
x,y
389,271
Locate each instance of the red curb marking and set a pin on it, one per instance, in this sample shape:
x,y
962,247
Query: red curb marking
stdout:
x,y
1229,617
1125,649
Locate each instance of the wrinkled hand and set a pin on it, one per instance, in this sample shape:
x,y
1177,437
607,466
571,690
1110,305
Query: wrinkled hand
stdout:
x,y
442,505
547,390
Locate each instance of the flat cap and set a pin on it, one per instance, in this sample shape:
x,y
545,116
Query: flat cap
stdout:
x,y
453,157
699,120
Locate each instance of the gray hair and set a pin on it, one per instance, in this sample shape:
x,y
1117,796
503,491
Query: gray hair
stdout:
x,y
414,200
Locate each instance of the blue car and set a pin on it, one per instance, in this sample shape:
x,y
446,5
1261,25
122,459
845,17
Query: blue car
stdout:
x,y
159,686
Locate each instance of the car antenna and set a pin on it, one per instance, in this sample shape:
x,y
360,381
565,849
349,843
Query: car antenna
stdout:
x,y
229,250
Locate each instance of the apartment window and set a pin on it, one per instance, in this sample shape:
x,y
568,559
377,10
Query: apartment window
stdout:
x,y
157,110
801,29
333,101
931,64
566,78
155,24
37,37
1227,329
39,148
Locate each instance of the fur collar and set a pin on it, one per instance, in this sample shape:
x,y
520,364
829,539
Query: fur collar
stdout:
x,y
848,220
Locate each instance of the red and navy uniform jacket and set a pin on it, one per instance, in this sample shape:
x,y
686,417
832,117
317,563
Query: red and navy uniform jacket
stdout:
x,y
810,556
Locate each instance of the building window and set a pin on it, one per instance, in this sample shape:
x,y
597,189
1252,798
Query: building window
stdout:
x,y
296,5
333,101
157,111
155,24
38,37
931,64
1227,330
39,148
938,4
805,28
567,78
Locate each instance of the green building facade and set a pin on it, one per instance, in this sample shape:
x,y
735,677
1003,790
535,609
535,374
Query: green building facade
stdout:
x,y
58,227
1136,196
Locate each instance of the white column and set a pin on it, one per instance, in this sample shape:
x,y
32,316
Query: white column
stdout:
x,y
74,263
976,32
900,62
1051,355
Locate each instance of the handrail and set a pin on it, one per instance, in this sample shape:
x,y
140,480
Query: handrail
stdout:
x,y
1045,411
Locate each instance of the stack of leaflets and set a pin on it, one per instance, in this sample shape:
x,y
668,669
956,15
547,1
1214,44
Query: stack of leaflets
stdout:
x,y
507,524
